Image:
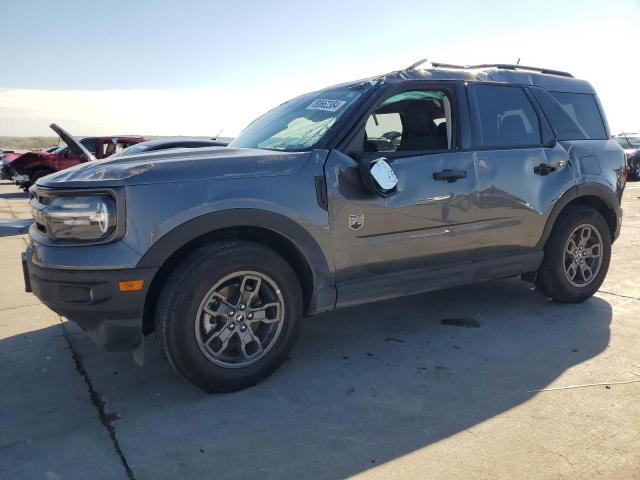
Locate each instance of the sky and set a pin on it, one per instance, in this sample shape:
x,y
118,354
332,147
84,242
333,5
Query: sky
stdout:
x,y
203,67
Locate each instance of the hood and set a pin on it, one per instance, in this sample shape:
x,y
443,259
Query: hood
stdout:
x,y
179,165
74,145
10,157
18,159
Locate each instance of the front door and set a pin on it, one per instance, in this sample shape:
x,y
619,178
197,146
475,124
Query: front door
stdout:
x,y
421,236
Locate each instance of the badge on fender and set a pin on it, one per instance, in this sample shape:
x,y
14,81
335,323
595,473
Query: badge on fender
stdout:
x,y
356,222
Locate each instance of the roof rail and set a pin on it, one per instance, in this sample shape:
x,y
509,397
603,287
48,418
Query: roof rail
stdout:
x,y
505,66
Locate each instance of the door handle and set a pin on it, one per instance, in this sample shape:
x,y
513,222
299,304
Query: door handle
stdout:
x,y
544,169
449,175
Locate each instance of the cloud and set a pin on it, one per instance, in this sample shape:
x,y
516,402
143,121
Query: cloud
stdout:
x,y
606,59
150,112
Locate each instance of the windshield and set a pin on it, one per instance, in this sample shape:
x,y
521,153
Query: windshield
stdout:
x,y
629,141
634,141
301,123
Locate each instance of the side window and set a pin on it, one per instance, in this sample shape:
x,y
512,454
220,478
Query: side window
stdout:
x,y
90,144
507,118
114,145
121,145
584,111
109,147
410,121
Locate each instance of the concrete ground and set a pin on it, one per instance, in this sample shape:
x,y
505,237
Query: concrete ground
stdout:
x,y
442,386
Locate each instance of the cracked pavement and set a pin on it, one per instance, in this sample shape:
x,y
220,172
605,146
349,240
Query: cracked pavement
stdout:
x,y
399,389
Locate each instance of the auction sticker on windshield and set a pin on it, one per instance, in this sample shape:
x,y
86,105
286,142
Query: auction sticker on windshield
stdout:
x,y
326,104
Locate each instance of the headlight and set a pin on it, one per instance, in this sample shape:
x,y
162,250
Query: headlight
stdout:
x,y
69,217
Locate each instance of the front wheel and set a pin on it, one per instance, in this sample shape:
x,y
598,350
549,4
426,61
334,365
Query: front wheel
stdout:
x,y
229,315
576,256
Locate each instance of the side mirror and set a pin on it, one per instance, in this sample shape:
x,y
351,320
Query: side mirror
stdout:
x,y
379,177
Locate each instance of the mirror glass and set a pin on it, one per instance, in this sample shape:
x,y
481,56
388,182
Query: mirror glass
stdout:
x,y
384,175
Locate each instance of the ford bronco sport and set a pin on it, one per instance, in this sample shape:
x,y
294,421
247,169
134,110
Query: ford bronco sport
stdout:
x,y
416,180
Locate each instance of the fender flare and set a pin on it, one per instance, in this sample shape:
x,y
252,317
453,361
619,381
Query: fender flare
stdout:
x,y
604,193
323,292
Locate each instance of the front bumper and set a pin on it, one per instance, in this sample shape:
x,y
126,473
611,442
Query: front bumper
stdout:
x,y
7,172
92,299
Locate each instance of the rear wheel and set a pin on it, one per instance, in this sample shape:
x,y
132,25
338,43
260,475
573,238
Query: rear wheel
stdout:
x,y
229,315
576,256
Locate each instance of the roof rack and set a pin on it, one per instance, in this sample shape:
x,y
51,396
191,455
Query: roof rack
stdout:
x,y
505,66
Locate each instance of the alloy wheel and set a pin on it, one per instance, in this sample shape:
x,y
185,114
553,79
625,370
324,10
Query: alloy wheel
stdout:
x,y
239,319
583,255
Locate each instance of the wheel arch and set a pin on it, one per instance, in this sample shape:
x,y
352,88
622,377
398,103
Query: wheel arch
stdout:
x,y
594,195
284,236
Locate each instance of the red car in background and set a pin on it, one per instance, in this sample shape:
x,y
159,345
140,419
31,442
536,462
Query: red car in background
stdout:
x,y
28,167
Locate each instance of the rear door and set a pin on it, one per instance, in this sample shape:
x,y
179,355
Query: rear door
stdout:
x,y
521,170
409,241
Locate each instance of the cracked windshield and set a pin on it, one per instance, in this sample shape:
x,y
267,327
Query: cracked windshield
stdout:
x,y
300,124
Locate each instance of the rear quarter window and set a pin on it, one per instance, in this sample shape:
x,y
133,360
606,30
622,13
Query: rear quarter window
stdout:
x,y
579,118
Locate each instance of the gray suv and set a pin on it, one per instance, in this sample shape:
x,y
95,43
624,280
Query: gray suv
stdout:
x,y
416,180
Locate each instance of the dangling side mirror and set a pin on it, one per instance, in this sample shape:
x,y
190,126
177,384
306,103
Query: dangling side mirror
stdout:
x,y
379,177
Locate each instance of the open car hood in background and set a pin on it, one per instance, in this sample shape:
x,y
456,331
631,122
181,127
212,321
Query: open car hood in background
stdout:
x,y
75,146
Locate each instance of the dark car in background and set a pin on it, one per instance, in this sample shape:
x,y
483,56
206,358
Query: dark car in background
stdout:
x,y
25,169
170,143
415,180
631,144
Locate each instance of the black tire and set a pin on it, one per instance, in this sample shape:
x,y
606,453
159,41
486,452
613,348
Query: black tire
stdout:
x,y
184,293
552,279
